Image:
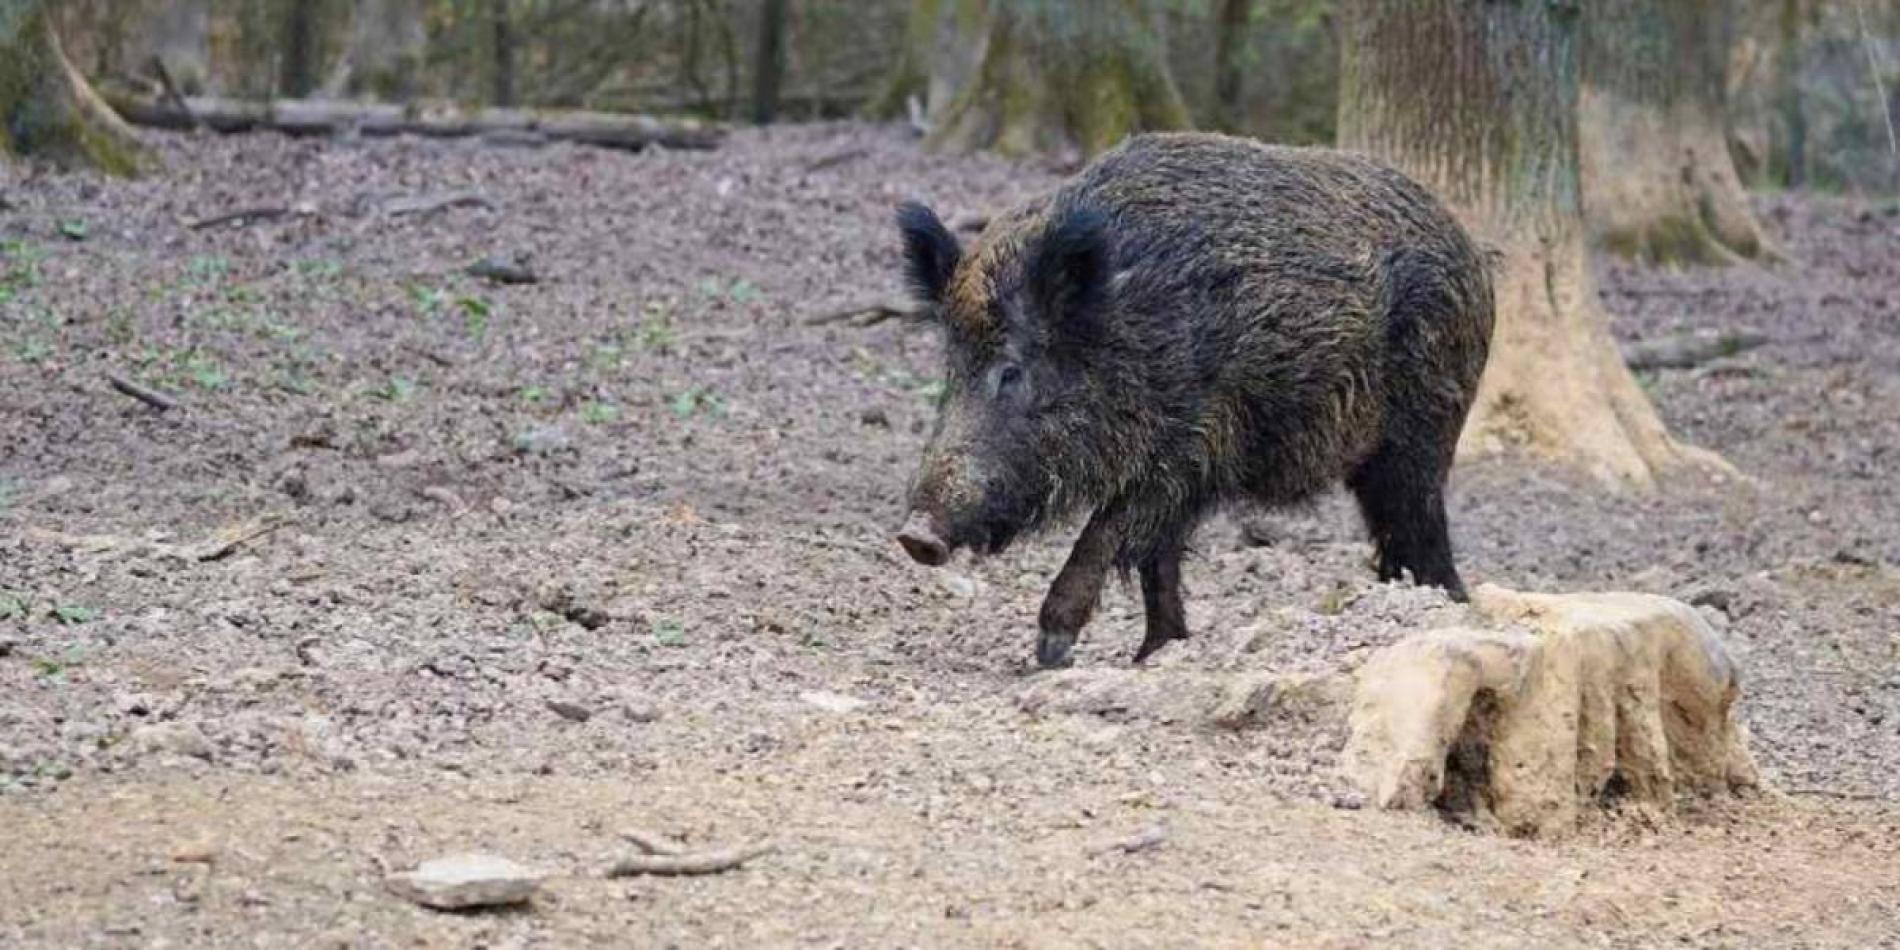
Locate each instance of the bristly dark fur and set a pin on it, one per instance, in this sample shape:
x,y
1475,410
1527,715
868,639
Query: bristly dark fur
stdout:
x,y
1193,320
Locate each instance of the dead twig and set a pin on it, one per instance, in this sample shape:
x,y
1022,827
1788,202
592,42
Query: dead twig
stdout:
x,y
241,216
687,863
220,545
429,204
841,158
151,397
1687,350
169,91
867,315
651,843
1143,840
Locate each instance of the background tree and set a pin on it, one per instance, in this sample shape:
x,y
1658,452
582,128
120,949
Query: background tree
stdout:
x,y
1231,19
1023,76
47,109
1658,181
1478,100
768,66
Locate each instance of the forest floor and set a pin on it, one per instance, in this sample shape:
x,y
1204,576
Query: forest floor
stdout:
x,y
516,568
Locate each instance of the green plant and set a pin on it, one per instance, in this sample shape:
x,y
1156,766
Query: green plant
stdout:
x,y
656,329
669,633
599,413
73,615
428,299
74,229
603,357
12,606
475,312
32,350
534,394
397,389
204,271
698,399
203,369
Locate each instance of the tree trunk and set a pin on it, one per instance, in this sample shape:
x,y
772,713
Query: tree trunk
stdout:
x,y
1794,117
502,37
1478,100
46,107
1230,38
1053,76
384,53
1659,184
768,72
297,70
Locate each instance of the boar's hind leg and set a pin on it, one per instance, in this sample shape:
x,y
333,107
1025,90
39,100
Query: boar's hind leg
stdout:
x,y
1072,597
1402,495
1161,599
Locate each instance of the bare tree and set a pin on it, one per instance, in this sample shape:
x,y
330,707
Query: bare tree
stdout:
x,y
768,75
47,109
1231,20
1478,100
1023,76
1658,181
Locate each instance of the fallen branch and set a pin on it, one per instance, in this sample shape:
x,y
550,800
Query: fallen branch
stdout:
x,y
169,89
1143,840
868,315
1686,350
220,545
832,161
151,397
332,117
429,204
684,863
242,215
650,843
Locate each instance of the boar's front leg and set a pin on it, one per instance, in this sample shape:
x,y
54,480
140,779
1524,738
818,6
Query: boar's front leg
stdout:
x,y
1161,600
1072,597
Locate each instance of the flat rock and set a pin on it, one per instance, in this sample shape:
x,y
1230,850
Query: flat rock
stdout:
x,y
833,702
465,880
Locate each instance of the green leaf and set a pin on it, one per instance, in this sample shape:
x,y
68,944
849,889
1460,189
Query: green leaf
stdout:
x,y
669,633
73,228
73,615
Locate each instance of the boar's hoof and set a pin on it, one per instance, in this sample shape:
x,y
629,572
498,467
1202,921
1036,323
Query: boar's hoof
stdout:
x,y
1151,645
921,542
1053,648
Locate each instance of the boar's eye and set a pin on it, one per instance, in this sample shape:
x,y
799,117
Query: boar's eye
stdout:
x,y
1005,380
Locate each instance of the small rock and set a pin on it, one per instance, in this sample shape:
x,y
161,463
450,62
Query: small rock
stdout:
x,y
573,712
542,440
1717,597
959,586
640,712
504,269
175,738
833,702
875,416
465,880
7,646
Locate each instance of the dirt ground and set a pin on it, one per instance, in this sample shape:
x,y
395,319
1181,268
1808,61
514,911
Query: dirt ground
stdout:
x,y
536,564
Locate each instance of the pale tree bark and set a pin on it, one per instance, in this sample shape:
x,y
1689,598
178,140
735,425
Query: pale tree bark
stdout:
x,y
1478,100
1038,76
47,109
1659,184
384,53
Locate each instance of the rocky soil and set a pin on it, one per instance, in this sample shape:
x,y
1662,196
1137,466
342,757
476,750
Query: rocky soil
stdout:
x,y
426,564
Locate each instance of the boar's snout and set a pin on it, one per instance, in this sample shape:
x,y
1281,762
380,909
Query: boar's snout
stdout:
x,y
922,542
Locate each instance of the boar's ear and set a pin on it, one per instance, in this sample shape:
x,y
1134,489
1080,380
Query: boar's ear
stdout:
x,y
1068,276
930,251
